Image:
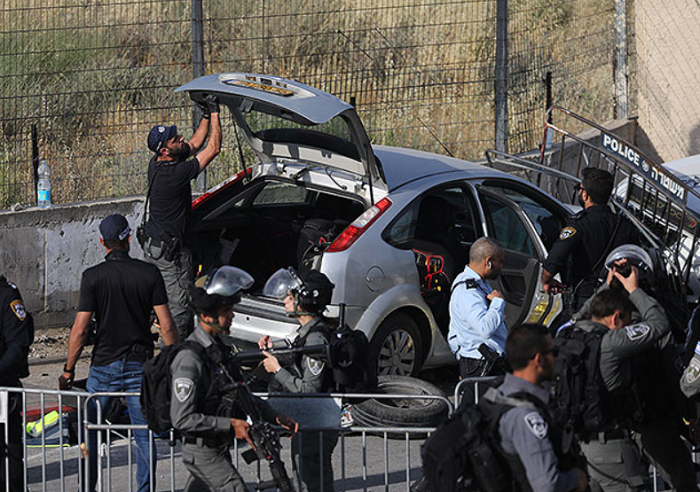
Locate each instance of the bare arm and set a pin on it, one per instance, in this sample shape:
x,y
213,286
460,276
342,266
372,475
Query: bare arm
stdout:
x,y
167,325
76,342
199,136
213,146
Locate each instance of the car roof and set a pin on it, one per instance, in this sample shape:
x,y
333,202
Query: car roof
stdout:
x,y
402,166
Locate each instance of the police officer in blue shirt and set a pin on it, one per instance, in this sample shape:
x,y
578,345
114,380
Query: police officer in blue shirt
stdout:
x,y
477,310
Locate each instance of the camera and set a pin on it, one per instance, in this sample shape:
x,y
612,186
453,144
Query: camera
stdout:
x,y
624,270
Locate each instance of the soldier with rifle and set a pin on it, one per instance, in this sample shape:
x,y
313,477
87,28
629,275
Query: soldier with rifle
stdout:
x,y
210,403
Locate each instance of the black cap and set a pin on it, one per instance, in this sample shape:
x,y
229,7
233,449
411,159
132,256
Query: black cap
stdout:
x,y
114,227
160,134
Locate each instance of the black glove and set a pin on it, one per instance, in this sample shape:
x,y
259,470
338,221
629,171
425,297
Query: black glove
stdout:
x,y
212,103
205,110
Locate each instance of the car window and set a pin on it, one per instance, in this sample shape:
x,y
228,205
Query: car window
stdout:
x,y
546,222
506,227
281,193
402,230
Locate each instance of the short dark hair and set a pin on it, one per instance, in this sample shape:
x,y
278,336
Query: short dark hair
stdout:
x,y
598,183
116,244
608,302
523,342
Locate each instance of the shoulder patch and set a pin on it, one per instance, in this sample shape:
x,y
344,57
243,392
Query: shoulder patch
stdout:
x,y
315,366
635,332
18,308
536,424
566,233
692,372
182,387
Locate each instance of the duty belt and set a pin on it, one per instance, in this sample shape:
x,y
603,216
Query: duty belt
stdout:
x,y
203,441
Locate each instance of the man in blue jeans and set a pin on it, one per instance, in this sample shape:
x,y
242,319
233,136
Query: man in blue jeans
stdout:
x,y
120,292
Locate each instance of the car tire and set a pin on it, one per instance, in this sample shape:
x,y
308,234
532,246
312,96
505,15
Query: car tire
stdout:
x,y
397,347
401,412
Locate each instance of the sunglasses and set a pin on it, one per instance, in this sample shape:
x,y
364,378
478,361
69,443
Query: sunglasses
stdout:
x,y
578,187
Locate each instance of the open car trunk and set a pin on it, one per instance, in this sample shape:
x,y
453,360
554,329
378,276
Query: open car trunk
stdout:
x,y
272,224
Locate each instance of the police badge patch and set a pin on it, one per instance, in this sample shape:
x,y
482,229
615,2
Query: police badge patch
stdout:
x,y
182,387
315,366
693,371
635,332
18,308
566,233
536,424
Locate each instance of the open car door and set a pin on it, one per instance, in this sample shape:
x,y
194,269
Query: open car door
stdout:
x,y
288,123
519,281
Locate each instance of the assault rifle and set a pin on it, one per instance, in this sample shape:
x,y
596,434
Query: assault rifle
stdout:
x,y
248,357
264,437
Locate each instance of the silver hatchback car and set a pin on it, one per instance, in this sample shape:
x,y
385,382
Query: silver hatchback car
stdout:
x,y
390,227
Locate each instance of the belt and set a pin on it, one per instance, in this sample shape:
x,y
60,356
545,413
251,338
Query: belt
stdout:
x,y
155,242
203,441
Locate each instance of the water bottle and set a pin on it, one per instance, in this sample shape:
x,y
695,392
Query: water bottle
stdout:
x,y
43,186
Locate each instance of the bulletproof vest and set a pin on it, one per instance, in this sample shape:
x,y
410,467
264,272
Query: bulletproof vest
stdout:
x,y
215,383
568,458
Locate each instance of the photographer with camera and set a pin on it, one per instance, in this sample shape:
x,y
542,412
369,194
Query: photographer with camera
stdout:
x,y
201,383
169,201
636,401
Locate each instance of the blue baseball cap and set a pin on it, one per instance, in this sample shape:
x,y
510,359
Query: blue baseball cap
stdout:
x,y
114,227
160,134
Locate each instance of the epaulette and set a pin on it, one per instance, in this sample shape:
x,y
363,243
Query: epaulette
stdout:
x,y
470,283
579,214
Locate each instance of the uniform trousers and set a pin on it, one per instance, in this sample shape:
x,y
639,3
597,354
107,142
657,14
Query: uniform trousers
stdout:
x,y
12,448
314,469
177,276
211,469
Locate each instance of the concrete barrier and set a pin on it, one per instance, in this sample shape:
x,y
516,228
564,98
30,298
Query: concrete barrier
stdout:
x,y
45,251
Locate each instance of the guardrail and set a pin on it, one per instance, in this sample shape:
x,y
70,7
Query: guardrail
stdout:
x,y
376,458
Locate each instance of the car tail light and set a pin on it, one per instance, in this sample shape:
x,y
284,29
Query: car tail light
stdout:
x,y
218,188
359,226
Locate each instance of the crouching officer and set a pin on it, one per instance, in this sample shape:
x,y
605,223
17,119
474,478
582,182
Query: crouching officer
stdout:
x,y
16,335
631,358
197,387
305,295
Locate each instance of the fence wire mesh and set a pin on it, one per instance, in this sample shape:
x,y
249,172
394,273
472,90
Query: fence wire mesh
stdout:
x,y
92,78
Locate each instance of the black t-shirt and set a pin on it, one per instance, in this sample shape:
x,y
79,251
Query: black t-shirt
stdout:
x,y
171,196
121,292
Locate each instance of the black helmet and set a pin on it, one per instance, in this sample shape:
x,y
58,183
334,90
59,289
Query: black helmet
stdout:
x,y
311,289
220,288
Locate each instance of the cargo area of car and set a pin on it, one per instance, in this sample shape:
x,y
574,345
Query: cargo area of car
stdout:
x,y
263,235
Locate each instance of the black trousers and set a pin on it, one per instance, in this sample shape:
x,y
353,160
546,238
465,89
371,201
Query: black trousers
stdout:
x,y
12,448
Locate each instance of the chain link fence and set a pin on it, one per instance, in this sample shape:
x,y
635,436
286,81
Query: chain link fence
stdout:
x,y
81,83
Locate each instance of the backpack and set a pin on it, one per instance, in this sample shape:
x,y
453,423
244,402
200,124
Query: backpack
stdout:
x,y
347,358
464,453
156,385
578,384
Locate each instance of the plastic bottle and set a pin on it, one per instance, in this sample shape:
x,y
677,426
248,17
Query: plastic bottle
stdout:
x,y
43,186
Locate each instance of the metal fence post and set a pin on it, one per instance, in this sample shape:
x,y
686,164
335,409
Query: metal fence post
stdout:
x,y
198,71
621,85
501,89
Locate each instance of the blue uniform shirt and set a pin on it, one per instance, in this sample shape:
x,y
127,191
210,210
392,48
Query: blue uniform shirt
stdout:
x,y
474,319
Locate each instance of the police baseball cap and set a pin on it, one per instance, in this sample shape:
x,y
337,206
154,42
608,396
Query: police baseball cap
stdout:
x,y
114,228
160,134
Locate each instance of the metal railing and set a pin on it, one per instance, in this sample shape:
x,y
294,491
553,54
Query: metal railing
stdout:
x,y
366,458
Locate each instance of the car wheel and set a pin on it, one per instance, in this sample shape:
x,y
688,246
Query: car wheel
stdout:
x,y
396,347
402,412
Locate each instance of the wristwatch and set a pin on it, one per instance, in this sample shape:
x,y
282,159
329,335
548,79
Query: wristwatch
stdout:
x,y
70,371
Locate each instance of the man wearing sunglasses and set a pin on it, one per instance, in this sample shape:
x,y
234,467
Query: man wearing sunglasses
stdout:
x,y
533,445
582,245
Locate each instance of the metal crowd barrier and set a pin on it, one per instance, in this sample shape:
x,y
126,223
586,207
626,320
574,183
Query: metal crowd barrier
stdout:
x,y
365,458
